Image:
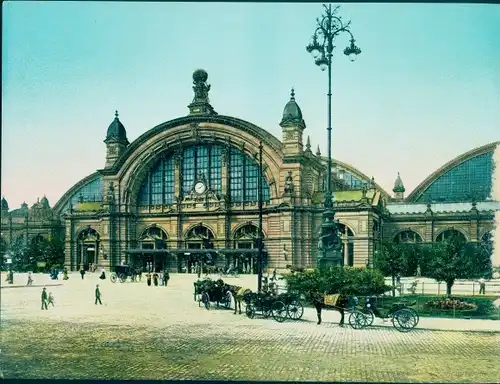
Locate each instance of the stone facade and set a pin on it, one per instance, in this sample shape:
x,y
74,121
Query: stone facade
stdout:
x,y
110,229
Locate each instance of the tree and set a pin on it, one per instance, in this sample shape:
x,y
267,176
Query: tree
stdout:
x,y
455,259
25,257
335,279
392,260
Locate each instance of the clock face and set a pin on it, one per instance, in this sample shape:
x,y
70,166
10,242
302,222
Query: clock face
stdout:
x,y
200,187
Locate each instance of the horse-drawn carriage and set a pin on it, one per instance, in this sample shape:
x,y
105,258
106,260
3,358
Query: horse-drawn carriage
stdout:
x,y
403,317
208,291
280,307
122,272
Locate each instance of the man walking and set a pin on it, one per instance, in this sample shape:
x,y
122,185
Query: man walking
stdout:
x,y
482,286
82,272
44,298
97,295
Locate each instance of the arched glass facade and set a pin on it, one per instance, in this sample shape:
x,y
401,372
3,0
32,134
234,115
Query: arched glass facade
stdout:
x,y
408,236
203,162
90,192
449,234
471,179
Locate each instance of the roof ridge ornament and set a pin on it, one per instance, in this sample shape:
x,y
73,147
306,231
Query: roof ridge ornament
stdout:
x,y
201,102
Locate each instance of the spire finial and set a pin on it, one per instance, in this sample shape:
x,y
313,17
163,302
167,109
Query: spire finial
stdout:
x,y
318,152
116,114
292,94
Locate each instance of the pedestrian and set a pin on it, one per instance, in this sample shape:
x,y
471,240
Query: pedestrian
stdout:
x,y
155,279
97,295
82,272
65,274
103,275
148,278
44,298
274,275
166,277
51,299
482,286
30,280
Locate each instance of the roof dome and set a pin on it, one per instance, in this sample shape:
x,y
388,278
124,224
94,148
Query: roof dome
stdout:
x,y
398,185
5,205
292,112
116,130
45,202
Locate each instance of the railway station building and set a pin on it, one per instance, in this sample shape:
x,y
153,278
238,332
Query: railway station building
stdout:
x,y
189,189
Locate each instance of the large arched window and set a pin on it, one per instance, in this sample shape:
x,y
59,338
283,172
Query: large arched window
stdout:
x,y
468,180
450,234
203,162
153,238
90,192
200,237
408,236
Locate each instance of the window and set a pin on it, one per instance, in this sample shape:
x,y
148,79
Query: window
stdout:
x,y
449,234
408,236
91,192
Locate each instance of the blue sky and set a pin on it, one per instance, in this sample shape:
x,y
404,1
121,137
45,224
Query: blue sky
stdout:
x,y
425,89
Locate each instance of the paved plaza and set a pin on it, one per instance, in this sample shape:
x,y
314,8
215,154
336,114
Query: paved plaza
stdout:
x,y
143,332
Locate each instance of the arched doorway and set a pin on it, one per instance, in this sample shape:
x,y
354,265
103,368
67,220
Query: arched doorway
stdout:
x,y
153,244
450,234
197,239
347,244
246,240
87,248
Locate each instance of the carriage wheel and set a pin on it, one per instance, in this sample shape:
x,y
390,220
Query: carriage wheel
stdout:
x,y
205,299
357,320
279,311
404,320
227,300
113,277
369,316
123,278
295,310
415,315
250,311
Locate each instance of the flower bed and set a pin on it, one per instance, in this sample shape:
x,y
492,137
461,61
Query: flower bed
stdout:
x,y
450,303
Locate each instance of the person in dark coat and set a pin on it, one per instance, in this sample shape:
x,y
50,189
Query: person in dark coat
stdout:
x,y
103,275
155,279
166,277
148,278
97,295
82,272
44,298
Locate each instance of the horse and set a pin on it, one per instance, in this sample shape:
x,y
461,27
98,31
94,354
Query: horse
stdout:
x,y
239,294
340,303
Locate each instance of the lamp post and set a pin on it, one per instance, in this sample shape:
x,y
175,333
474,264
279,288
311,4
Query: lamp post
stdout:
x,y
329,26
259,234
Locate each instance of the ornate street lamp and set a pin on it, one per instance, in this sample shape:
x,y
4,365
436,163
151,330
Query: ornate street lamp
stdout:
x,y
329,26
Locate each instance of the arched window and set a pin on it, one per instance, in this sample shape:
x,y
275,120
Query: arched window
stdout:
x,y
90,192
200,237
153,238
450,234
203,163
38,239
408,236
246,237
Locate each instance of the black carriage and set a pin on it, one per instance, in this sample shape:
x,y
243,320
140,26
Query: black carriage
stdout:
x,y
266,305
294,307
208,291
122,272
403,317
342,303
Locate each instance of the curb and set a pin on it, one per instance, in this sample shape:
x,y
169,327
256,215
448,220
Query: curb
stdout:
x,y
33,286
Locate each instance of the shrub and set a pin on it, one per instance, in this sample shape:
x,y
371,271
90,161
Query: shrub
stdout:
x,y
449,303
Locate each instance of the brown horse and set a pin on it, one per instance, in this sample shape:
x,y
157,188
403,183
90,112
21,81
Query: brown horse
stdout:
x,y
340,304
239,294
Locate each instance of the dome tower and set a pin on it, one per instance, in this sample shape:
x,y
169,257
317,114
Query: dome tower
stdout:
x,y
116,141
292,125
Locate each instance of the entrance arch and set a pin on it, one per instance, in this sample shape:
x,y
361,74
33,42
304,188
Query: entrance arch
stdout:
x,y
197,238
87,248
246,239
347,244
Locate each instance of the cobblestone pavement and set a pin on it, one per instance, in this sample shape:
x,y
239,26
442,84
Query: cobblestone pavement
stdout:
x,y
160,333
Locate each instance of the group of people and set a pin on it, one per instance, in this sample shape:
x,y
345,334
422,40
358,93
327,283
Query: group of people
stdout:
x,y
47,299
161,278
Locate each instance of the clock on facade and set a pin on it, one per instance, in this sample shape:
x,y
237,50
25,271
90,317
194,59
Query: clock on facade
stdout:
x,y
200,187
